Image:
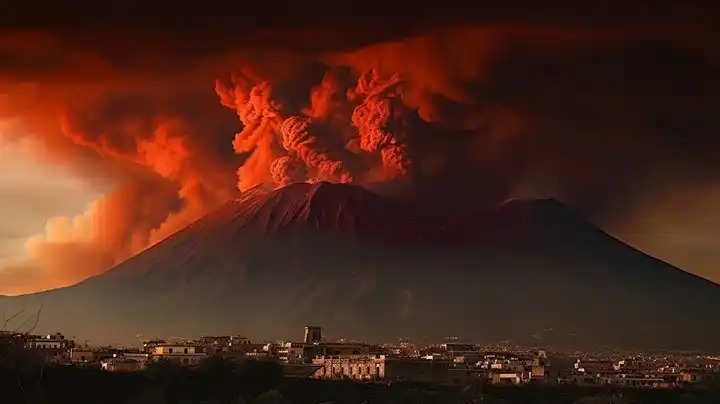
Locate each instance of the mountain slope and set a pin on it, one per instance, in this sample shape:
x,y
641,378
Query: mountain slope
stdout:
x,y
294,220
269,262
590,285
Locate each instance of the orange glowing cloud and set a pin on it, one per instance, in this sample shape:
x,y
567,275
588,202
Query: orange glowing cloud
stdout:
x,y
132,132
468,105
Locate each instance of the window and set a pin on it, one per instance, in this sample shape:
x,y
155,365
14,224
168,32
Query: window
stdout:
x,y
186,350
170,350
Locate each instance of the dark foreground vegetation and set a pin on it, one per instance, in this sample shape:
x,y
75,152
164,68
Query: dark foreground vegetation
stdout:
x,y
219,381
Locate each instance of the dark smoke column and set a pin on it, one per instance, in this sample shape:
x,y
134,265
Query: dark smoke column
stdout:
x,y
298,140
286,170
379,121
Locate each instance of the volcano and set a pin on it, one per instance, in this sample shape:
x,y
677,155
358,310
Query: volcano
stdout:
x,y
269,262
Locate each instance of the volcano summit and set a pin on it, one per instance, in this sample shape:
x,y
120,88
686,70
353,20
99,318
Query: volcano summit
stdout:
x,y
269,262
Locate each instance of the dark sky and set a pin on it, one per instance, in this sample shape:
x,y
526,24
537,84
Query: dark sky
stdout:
x,y
610,108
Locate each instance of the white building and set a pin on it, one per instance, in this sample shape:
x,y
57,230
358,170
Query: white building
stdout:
x,y
294,352
181,353
53,341
506,377
377,367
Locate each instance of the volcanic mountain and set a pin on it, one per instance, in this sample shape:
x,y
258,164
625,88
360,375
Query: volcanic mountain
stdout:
x,y
270,262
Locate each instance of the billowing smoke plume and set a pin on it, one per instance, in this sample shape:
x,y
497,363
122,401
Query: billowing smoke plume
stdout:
x,y
165,187
151,151
280,136
259,114
298,141
286,170
379,121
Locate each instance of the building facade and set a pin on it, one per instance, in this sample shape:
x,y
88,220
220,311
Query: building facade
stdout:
x,y
381,367
180,353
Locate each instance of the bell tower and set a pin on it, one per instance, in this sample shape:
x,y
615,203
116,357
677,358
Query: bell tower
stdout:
x,y
313,334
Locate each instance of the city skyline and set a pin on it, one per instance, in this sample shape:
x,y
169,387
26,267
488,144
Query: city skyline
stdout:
x,y
448,363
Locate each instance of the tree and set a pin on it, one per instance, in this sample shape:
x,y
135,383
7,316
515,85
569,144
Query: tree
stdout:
x,y
16,363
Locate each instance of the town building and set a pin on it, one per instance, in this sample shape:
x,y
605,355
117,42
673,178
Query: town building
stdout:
x,y
314,345
231,347
149,345
184,354
313,334
381,367
699,377
52,341
506,377
82,355
593,367
295,352
341,349
121,364
636,380
50,347
458,347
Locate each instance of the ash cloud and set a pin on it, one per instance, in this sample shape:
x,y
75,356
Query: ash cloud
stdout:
x,y
298,140
456,118
149,143
282,135
379,121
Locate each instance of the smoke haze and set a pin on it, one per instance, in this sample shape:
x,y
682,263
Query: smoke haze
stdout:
x,y
463,117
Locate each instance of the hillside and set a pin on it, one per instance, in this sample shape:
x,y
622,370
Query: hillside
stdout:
x,y
268,263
